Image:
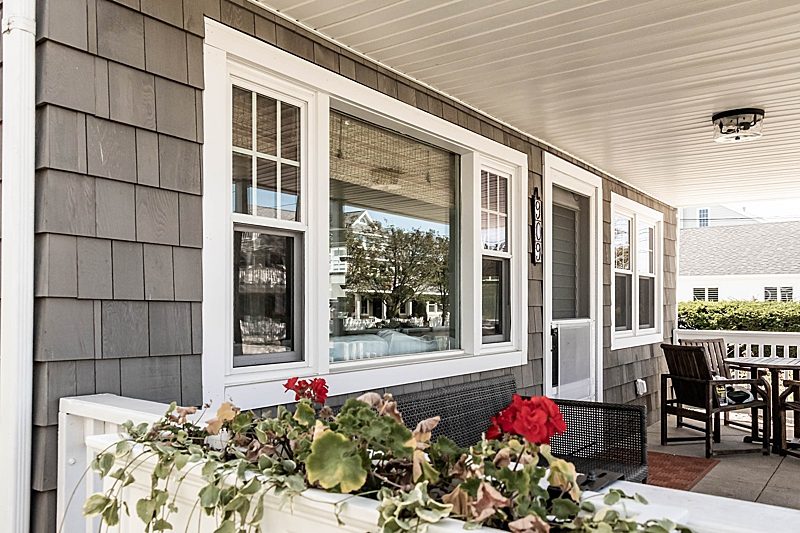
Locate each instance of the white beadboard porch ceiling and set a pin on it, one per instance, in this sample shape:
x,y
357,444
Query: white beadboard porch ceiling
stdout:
x,y
628,86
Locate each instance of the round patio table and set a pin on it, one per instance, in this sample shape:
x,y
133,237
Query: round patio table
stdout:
x,y
775,365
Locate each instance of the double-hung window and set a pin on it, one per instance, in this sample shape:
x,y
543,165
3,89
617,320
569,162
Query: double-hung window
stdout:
x,y
348,235
496,256
637,284
267,226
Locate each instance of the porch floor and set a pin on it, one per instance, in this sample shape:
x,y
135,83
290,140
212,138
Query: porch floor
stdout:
x,y
753,477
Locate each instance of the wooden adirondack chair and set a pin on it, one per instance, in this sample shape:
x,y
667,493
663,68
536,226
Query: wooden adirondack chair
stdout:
x,y
695,398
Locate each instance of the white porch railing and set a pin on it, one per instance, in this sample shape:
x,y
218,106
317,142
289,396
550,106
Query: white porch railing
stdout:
x,y
748,343
78,418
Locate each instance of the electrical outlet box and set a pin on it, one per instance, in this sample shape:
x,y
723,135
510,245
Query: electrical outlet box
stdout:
x,y
641,387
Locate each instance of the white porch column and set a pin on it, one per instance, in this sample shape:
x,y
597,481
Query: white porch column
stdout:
x,y
16,286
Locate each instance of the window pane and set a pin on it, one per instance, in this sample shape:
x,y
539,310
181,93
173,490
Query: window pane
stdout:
x,y
242,183
494,298
290,185
267,188
484,189
266,125
494,210
647,303
623,302
290,132
502,194
242,118
263,294
644,249
622,243
770,294
394,209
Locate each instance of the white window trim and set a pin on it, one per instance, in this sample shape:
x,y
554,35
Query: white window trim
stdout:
x,y
252,387
638,213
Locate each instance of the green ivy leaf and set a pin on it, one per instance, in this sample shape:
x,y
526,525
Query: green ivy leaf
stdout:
x,y
226,527
145,509
305,414
123,448
96,504
641,499
251,487
161,525
335,461
209,496
111,513
589,507
611,498
565,509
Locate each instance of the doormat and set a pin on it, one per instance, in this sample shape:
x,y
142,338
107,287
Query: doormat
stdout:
x,y
677,471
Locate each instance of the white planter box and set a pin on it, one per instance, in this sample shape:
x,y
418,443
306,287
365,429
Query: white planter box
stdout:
x,y
311,511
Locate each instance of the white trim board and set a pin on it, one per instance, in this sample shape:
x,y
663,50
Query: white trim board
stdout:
x,y
565,174
228,51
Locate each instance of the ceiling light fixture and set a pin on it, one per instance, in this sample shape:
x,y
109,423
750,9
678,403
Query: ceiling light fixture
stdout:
x,y
738,125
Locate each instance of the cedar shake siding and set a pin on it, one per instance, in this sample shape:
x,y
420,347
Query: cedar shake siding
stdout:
x,y
118,275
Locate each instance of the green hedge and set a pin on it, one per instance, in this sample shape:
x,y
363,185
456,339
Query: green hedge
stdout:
x,y
736,315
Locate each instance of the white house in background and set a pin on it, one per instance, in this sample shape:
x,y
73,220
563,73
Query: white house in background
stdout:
x,y
716,215
744,262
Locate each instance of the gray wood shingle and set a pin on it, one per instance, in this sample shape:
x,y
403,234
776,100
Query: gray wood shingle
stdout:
x,y
120,34
128,270
94,269
125,329
151,378
115,209
156,215
170,328
160,38
64,329
132,96
61,142
111,149
188,274
158,272
56,268
179,164
175,109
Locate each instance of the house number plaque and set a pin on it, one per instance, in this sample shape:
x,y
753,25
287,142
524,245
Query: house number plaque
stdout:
x,y
536,230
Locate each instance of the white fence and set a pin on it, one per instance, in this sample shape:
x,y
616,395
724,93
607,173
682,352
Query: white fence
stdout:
x,y
748,343
81,417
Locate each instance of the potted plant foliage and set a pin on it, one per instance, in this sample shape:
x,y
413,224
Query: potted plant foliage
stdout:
x,y
245,464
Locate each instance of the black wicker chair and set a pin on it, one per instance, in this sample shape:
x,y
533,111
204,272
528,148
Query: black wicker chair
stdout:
x,y
599,436
604,436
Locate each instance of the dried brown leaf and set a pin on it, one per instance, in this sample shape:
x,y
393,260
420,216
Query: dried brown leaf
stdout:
x,y
489,500
529,524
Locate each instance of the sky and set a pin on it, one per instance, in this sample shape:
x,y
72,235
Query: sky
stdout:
x,y
772,210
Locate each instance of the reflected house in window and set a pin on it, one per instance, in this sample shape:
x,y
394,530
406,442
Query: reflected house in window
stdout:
x,y
393,274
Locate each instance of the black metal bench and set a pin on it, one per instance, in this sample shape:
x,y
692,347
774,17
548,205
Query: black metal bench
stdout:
x,y
599,436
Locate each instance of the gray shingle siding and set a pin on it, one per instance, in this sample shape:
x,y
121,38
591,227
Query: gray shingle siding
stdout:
x,y
119,212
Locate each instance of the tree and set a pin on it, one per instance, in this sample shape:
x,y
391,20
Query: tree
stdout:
x,y
440,275
393,264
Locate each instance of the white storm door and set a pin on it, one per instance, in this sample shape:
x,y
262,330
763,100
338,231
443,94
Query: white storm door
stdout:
x,y
573,344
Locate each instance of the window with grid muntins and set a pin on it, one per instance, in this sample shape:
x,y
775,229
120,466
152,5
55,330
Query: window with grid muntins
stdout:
x,y
787,294
699,293
266,156
770,294
702,218
265,175
713,294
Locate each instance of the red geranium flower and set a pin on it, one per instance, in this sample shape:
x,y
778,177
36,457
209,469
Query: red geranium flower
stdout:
x,y
315,390
535,419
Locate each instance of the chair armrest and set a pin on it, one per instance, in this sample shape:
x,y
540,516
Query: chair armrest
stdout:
x,y
682,378
792,386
